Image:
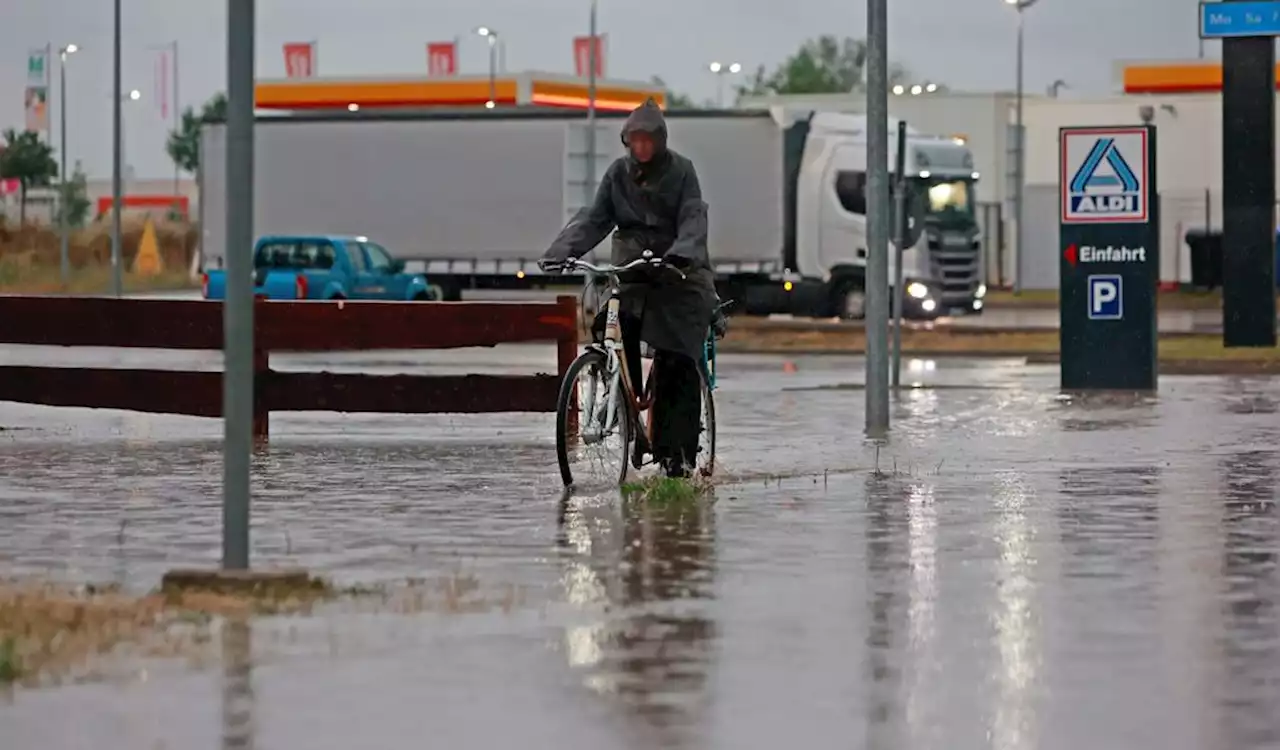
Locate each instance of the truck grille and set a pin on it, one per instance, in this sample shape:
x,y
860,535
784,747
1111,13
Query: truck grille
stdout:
x,y
958,270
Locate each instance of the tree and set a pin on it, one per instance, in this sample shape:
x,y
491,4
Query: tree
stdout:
x,y
76,199
183,145
674,100
29,160
825,65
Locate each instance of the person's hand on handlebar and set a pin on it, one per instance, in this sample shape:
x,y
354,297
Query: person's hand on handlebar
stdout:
x,y
551,265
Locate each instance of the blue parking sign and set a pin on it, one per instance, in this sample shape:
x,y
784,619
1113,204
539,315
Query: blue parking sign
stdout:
x,y
1106,297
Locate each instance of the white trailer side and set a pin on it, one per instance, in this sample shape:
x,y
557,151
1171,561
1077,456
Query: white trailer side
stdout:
x,y
482,195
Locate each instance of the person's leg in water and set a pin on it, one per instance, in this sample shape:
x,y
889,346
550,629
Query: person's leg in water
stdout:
x,y
678,412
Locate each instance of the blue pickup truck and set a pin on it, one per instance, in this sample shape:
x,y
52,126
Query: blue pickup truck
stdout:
x,y
325,267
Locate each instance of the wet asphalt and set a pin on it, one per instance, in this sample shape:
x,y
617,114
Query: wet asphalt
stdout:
x,y
1013,569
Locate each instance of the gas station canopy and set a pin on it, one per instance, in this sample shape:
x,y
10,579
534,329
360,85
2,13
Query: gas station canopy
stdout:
x,y
1173,77
529,89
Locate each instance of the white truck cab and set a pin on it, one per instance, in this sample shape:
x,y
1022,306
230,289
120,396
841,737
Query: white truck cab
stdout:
x,y
941,266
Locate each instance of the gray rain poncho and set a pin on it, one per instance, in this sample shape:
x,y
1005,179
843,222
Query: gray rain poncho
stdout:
x,y
654,206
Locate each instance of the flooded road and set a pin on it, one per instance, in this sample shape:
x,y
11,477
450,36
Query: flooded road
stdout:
x,y
1012,570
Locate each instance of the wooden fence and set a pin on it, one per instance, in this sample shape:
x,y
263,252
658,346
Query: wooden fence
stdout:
x,y
284,327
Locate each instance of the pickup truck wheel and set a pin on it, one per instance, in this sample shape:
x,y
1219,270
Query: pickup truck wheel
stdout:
x,y
423,296
337,297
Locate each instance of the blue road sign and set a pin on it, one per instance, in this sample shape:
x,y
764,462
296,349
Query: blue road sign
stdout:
x,y
1106,297
1221,20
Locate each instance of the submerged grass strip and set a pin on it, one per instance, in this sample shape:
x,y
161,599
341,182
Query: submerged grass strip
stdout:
x,y
665,491
51,633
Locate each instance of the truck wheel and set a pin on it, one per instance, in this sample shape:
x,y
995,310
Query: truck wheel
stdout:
x,y
423,296
452,293
850,300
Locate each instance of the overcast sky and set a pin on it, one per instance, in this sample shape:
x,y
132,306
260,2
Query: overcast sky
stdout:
x,y
968,44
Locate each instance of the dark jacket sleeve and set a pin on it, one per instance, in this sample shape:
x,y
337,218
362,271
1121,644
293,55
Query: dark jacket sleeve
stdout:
x,y
589,226
691,223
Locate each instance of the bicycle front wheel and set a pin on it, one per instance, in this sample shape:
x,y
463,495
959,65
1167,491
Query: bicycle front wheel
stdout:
x,y
593,425
706,463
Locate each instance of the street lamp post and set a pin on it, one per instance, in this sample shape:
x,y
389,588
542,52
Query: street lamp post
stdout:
x,y
721,70
1020,157
492,36
592,64
117,188
64,223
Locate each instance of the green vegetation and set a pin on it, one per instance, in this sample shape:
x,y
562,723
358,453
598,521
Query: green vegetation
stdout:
x,y
183,145
10,666
665,491
25,157
825,65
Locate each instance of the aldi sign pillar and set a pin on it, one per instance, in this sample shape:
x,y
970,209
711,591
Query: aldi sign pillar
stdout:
x,y
1110,258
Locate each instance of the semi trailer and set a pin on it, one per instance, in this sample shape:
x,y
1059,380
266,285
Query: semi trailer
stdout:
x,y
472,199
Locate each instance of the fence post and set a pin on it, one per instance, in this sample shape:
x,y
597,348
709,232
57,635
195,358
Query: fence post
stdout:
x,y
261,372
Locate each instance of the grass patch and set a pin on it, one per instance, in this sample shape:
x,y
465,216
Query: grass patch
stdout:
x,y
667,491
1042,298
18,276
53,633
977,342
10,666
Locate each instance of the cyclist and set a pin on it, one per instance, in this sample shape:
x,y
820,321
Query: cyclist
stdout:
x,y
652,197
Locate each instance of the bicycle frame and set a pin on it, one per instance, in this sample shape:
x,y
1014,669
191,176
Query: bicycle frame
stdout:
x,y
618,373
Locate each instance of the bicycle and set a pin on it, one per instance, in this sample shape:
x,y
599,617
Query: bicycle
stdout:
x,y
604,410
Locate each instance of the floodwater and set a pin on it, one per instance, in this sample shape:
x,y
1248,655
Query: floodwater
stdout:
x,y
1012,570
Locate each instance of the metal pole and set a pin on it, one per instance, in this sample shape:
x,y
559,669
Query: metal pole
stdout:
x,y
493,72
900,211
591,110
64,221
117,188
1019,236
177,124
238,326
877,276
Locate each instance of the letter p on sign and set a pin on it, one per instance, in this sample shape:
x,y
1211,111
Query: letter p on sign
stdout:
x,y
1106,298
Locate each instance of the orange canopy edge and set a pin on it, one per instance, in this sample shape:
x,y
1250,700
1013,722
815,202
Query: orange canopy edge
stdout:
x,y
1175,78
317,93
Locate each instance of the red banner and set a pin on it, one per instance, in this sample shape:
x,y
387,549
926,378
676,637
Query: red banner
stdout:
x,y
300,59
10,186
442,59
582,56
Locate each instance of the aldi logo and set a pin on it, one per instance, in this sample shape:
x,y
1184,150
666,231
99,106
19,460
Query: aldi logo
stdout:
x,y
1104,171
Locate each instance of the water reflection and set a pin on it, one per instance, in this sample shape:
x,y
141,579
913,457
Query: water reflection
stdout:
x,y
887,538
1251,648
1106,411
642,571
1108,517
237,685
1014,724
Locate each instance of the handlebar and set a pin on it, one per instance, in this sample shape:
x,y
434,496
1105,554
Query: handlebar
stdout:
x,y
607,269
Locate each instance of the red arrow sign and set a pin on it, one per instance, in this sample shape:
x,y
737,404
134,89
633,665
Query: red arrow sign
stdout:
x,y
1071,254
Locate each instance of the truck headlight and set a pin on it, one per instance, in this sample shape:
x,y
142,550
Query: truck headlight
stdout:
x,y
982,291
917,290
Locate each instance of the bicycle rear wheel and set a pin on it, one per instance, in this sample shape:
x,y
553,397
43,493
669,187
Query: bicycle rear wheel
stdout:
x,y
589,449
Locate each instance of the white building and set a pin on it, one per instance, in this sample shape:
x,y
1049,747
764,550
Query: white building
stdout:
x,y
1189,160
